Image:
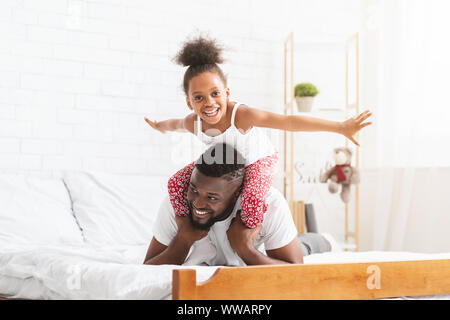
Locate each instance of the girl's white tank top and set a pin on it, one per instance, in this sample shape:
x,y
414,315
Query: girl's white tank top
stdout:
x,y
253,145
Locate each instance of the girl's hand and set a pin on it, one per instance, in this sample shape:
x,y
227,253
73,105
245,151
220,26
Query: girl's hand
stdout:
x,y
351,126
154,125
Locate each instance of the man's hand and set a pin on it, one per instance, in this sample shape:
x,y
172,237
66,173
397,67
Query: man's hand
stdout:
x,y
178,249
351,126
188,232
240,236
155,125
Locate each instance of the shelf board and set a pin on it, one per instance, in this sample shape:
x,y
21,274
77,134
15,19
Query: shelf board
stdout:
x,y
320,39
315,109
328,112
347,246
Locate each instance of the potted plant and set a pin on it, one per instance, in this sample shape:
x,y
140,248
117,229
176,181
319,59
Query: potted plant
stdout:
x,y
304,96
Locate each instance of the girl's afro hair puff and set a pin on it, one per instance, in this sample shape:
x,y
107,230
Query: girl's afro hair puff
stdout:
x,y
199,51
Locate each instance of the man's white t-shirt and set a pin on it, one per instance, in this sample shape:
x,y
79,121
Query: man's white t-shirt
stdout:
x,y
278,229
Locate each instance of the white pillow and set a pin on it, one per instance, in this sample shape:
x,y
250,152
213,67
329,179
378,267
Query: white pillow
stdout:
x,y
37,211
115,209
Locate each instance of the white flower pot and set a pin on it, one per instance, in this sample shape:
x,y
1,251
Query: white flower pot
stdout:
x,y
304,104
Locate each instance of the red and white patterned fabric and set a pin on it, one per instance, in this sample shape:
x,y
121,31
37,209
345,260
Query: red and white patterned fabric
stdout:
x,y
178,187
257,182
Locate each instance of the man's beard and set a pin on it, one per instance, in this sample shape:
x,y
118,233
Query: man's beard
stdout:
x,y
208,224
201,226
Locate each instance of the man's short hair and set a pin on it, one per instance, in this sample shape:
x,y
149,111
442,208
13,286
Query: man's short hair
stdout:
x,y
222,160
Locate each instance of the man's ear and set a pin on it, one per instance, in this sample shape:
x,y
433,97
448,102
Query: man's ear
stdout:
x,y
188,102
237,193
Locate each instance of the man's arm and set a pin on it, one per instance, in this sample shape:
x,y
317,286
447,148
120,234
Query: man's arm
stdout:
x,y
242,240
178,249
290,253
175,253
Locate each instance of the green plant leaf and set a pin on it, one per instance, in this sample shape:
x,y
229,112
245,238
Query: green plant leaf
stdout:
x,y
305,89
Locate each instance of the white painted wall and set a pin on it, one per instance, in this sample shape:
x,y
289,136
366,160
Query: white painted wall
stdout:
x,y
77,77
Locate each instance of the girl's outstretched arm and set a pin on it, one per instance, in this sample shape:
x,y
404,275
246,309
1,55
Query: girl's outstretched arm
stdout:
x,y
184,125
249,117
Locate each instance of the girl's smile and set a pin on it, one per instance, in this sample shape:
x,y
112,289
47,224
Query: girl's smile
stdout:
x,y
212,113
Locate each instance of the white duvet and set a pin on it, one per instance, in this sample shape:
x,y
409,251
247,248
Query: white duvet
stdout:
x,y
83,272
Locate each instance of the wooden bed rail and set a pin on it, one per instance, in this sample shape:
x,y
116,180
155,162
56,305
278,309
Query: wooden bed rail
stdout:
x,y
317,281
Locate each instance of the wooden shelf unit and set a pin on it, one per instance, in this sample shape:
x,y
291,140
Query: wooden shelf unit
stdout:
x,y
352,43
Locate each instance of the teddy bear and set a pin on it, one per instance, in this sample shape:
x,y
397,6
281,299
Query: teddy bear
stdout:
x,y
341,174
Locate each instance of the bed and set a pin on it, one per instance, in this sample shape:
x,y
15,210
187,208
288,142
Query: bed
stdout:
x,y
84,236
53,272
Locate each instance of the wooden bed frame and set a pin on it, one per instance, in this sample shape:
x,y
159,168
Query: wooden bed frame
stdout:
x,y
370,280
317,281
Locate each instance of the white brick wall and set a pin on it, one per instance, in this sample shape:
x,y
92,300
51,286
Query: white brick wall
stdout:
x,y
78,76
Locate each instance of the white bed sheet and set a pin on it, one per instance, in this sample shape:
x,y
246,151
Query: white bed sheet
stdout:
x,y
29,272
88,272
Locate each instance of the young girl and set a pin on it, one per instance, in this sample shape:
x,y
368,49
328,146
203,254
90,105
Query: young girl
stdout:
x,y
217,119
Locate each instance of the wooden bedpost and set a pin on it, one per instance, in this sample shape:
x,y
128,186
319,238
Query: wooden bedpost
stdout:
x,y
184,284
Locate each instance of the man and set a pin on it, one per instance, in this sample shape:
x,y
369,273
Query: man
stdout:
x,y
213,233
